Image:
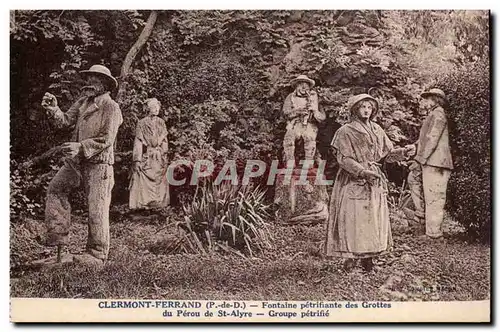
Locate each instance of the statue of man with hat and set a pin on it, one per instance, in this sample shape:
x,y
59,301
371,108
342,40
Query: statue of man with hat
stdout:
x,y
89,158
432,164
302,113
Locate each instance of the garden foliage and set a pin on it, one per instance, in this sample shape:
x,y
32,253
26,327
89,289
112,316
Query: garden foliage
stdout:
x,y
222,76
469,194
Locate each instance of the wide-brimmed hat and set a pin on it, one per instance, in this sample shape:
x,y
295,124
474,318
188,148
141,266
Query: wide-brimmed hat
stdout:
x,y
357,98
103,72
434,92
302,78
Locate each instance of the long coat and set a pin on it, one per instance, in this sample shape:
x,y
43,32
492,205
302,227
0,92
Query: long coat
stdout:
x,y
433,148
96,124
358,224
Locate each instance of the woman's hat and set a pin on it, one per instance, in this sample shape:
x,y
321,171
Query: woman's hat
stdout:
x,y
357,98
302,78
102,71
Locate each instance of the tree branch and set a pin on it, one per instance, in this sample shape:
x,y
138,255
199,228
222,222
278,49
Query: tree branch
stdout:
x,y
132,53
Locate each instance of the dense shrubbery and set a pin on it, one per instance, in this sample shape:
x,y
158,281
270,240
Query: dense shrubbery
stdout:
x,y
22,201
222,77
28,187
469,113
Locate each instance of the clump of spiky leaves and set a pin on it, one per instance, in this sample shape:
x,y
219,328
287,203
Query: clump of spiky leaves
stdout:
x,y
227,217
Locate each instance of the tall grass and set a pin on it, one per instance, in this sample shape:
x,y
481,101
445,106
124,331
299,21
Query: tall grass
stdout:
x,y
227,217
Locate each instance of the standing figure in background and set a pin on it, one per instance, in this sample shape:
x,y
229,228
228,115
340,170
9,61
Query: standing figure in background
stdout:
x,y
358,226
302,114
432,164
149,185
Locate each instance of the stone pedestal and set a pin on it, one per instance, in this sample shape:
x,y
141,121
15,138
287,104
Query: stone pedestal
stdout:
x,y
51,262
298,203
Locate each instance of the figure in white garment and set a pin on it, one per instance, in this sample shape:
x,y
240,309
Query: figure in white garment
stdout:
x,y
149,185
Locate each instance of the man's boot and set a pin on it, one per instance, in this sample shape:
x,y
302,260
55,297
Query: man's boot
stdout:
x,y
89,260
431,239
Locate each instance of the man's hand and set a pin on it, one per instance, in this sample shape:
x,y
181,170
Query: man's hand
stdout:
x,y
49,102
410,150
371,176
298,113
413,165
71,149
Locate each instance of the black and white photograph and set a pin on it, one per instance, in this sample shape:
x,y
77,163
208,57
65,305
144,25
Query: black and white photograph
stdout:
x,y
272,156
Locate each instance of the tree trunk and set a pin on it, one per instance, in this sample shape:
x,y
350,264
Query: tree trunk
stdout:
x,y
12,21
132,53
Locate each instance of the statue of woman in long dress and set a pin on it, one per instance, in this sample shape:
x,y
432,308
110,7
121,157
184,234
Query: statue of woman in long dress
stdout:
x,y
149,186
358,226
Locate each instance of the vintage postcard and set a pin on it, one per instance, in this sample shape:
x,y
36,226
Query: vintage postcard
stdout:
x,y
250,166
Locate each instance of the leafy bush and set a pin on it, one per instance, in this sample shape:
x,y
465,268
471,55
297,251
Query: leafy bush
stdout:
x,y
227,216
27,190
29,182
469,196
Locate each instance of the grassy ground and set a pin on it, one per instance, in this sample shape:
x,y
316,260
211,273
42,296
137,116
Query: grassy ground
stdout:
x,y
293,270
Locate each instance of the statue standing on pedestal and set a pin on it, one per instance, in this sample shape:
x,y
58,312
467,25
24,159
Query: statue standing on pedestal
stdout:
x,y
302,113
149,185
